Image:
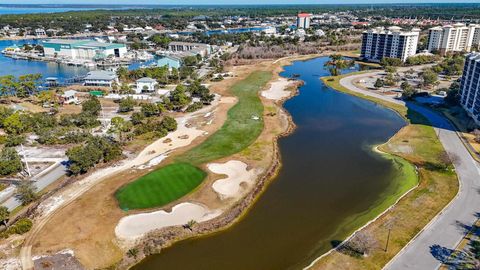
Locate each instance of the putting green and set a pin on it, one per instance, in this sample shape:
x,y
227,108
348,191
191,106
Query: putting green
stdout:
x,y
160,187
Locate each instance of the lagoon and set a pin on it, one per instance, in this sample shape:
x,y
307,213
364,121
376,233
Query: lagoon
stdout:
x,y
330,184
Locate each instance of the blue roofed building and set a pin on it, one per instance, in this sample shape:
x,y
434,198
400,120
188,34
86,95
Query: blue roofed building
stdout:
x,y
170,61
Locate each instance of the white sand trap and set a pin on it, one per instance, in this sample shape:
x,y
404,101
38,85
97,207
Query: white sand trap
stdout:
x,y
134,226
277,89
236,172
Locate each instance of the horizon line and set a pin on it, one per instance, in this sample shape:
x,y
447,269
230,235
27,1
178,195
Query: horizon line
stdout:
x,y
226,4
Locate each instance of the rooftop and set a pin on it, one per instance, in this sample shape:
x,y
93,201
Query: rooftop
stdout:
x,y
187,43
69,93
101,75
303,15
83,43
146,80
393,30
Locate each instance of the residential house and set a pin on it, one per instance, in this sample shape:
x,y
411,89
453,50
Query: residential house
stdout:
x,y
145,84
100,78
69,97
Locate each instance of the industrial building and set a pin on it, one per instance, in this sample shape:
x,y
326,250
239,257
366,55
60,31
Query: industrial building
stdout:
x,y
82,49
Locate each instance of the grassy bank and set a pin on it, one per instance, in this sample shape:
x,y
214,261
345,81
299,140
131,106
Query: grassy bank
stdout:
x,y
243,125
404,179
418,144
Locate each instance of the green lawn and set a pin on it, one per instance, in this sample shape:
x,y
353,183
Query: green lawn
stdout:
x,y
243,125
160,187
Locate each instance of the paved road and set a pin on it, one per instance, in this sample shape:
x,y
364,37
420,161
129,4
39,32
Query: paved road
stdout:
x,y
42,182
447,229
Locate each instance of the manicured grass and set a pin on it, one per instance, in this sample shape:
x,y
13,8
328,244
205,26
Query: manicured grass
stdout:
x,y
243,125
417,144
160,187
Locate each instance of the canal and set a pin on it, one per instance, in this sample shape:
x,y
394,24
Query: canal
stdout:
x,y
331,183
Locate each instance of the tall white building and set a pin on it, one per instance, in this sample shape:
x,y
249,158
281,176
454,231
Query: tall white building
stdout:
x,y
379,43
303,20
470,86
453,38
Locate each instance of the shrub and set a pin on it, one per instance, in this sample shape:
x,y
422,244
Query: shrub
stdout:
x,y
195,107
14,140
92,106
150,109
169,123
395,62
26,192
126,105
96,150
22,226
10,161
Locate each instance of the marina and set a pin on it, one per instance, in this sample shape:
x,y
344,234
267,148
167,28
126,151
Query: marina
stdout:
x,y
65,70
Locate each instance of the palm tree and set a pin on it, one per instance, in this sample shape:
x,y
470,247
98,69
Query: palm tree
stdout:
x,y
337,63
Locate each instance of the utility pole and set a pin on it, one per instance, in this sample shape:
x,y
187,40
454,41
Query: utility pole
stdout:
x,y
388,239
25,160
389,225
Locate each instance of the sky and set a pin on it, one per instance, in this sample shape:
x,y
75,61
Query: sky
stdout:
x,y
216,2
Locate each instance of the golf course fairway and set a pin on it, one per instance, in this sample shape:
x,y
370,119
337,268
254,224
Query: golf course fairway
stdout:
x,y
243,125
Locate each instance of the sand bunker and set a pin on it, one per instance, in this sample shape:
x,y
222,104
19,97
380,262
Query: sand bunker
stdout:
x,y
135,226
277,89
236,172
